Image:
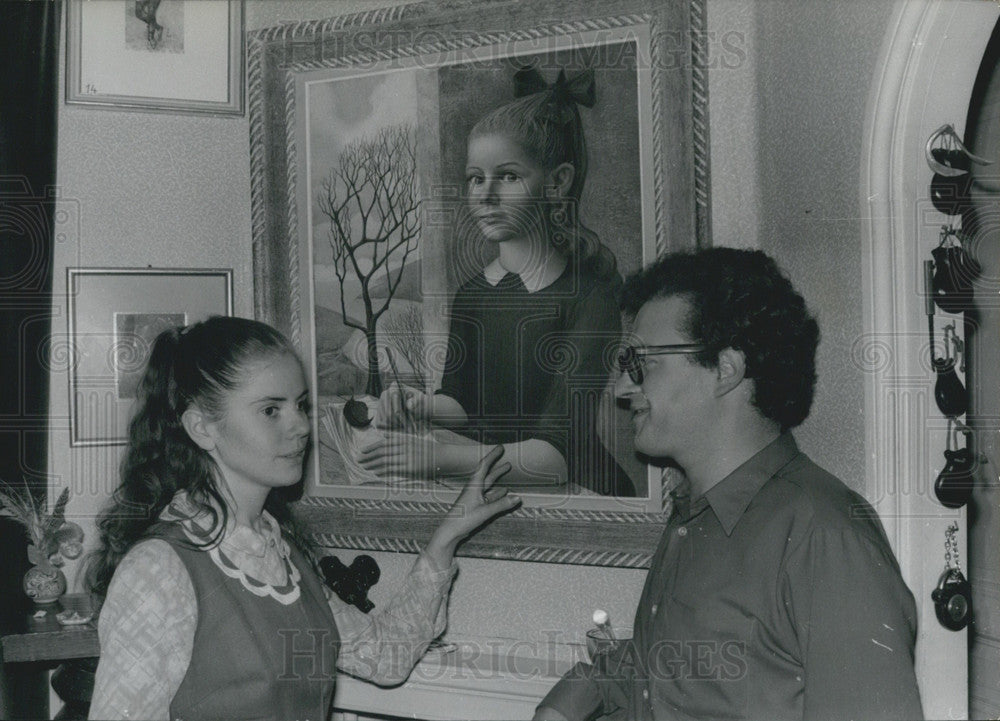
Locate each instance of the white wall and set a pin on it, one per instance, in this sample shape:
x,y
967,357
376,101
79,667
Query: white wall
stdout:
x,y
787,114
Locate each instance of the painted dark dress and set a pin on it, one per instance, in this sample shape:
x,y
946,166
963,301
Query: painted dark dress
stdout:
x,y
534,365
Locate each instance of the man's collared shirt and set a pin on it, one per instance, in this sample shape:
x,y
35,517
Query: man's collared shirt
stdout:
x,y
775,595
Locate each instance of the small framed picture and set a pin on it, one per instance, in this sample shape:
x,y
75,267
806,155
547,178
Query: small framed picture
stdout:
x,y
115,315
173,55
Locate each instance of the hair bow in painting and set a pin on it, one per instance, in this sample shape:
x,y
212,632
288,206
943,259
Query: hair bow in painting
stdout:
x,y
563,94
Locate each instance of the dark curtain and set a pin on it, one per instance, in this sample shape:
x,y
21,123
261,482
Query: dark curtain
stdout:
x,y
29,53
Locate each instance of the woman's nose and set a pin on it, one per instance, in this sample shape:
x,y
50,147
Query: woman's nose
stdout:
x,y
300,423
487,192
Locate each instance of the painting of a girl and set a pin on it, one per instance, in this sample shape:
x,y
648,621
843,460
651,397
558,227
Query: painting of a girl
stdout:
x,y
531,333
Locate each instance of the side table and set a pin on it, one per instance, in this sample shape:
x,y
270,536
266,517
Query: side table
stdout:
x,y
30,646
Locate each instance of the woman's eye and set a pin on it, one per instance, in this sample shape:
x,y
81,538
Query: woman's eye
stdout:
x,y
270,410
511,177
305,407
474,180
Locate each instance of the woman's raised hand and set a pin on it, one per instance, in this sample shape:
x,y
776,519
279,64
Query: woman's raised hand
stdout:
x,y
477,504
400,406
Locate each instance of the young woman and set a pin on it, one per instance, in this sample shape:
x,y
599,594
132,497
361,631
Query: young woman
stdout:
x,y
212,608
532,332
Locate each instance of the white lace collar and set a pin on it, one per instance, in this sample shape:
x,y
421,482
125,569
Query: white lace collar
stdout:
x,y
243,553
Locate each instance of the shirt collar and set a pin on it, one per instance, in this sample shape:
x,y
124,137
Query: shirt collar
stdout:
x,y
731,496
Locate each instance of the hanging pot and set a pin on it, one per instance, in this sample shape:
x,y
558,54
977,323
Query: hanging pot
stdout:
x,y
953,486
950,193
954,274
952,400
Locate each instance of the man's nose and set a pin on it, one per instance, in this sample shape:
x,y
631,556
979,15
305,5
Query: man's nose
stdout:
x,y
625,388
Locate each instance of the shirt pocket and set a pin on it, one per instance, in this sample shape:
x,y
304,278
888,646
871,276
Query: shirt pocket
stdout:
x,y
699,658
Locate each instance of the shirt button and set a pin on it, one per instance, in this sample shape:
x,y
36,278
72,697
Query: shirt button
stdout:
x,y
682,531
645,694
652,609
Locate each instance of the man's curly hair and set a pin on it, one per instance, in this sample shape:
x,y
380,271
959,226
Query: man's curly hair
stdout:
x,y
740,299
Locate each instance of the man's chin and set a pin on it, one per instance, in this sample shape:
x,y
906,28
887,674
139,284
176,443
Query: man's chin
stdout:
x,y
652,451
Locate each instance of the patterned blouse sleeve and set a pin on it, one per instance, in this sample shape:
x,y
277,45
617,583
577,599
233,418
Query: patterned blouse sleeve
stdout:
x,y
383,647
146,630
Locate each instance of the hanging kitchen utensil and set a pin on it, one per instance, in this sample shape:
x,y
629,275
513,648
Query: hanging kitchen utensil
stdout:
x,y
953,486
954,273
949,393
946,155
953,595
950,194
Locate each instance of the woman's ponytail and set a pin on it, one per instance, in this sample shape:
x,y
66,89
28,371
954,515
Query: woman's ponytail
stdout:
x,y
196,365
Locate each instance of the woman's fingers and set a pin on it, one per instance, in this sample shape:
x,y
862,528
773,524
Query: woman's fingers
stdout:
x,y
495,494
479,500
487,469
490,504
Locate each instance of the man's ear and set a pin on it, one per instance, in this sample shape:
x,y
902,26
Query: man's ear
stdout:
x,y
559,181
197,427
730,372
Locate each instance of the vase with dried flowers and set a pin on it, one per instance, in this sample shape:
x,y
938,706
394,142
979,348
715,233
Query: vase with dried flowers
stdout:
x,y
53,539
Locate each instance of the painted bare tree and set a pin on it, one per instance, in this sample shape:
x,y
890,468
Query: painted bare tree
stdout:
x,y
370,199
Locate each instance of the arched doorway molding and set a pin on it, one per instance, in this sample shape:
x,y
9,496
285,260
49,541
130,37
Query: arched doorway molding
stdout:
x,y
929,61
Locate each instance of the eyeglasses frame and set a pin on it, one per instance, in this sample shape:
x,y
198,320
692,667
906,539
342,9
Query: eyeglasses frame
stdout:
x,y
628,358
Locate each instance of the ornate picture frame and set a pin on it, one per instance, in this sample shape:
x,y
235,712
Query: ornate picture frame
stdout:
x,y
297,70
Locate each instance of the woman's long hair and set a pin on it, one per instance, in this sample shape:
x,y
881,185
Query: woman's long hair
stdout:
x,y
196,365
545,121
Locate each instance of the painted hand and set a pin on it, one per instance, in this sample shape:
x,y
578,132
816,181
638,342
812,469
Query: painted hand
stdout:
x,y
402,454
400,406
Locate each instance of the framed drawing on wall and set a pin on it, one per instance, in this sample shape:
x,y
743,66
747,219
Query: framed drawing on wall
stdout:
x,y
367,241
167,55
115,315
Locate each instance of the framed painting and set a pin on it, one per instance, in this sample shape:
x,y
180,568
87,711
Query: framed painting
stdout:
x,y
115,315
367,133
163,55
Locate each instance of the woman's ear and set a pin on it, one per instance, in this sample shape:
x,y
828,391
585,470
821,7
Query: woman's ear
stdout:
x,y
731,371
559,180
197,427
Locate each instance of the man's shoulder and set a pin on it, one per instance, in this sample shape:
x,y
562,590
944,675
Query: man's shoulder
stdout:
x,y
822,501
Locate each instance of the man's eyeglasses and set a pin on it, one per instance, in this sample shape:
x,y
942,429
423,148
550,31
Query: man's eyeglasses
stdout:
x,y
630,358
